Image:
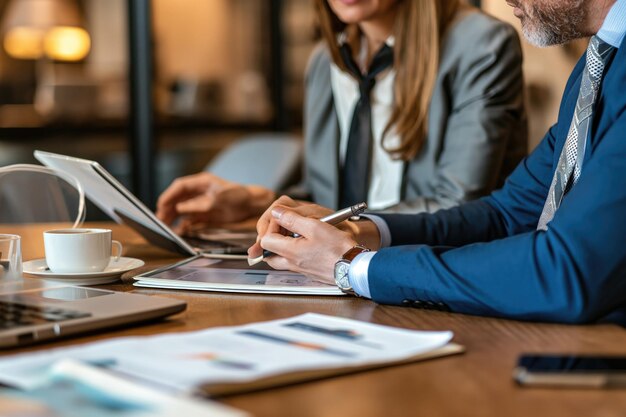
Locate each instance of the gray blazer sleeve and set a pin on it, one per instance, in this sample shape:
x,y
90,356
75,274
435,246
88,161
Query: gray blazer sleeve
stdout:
x,y
317,115
477,126
321,132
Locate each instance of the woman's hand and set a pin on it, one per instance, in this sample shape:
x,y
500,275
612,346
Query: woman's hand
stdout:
x,y
206,198
314,253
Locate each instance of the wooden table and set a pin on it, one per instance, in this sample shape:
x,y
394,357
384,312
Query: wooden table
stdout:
x,y
477,383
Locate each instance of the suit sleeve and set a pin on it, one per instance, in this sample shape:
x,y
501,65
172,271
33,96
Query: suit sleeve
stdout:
x,y
573,272
486,120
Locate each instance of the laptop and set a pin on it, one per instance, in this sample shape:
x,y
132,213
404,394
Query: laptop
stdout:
x,y
122,206
34,310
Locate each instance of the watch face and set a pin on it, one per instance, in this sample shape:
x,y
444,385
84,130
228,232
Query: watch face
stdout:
x,y
341,275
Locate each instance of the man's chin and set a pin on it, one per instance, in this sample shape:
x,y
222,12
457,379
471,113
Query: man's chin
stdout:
x,y
539,38
554,25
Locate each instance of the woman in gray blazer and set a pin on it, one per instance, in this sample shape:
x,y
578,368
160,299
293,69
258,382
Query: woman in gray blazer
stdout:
x,y
442,121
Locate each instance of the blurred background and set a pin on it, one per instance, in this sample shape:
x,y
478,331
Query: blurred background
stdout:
x,y
154,89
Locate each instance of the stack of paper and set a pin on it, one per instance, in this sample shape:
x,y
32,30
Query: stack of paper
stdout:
x,y
230,359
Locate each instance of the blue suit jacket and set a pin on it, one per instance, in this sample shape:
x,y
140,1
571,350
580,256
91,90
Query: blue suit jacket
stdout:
x,y
486,257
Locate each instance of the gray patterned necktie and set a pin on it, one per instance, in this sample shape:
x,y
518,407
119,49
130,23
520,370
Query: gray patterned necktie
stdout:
x,y
571,159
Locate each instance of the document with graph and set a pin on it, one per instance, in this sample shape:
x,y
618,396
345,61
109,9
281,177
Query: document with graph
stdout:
x,y
242,358
73,389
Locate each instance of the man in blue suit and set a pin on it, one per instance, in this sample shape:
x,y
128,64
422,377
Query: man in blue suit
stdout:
x,y
549,246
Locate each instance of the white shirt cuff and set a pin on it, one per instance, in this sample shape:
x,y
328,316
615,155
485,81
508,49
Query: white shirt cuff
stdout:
x,y
357,275
383,229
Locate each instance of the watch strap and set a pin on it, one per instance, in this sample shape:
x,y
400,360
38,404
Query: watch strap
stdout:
x,y
354,252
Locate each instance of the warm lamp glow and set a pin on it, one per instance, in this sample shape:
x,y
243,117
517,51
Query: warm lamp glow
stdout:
x,y
24,43
66,43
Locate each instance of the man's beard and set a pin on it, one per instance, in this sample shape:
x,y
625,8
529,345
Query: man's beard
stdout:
x,y
553,22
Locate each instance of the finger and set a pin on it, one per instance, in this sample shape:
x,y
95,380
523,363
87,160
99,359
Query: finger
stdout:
x,y
279,263
185,186
295,223
166,204
273,227
287,201
183,226
306,210
166,214
285,255
255,250
165,198
263,223
282,201
196,205
266,218
310,210
171,194
279,244
165,210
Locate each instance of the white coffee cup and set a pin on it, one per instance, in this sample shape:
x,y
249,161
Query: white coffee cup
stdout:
x,y
71,251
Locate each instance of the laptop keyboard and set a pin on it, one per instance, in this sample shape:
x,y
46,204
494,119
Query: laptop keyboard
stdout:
x,y
14,315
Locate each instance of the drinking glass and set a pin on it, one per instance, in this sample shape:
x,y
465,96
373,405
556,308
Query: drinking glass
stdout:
x,y
10,258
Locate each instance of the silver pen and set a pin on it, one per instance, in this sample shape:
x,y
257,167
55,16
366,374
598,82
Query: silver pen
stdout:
x,y
332,219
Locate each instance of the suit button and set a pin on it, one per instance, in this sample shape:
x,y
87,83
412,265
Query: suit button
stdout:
x,y
406,302
417,304
443,307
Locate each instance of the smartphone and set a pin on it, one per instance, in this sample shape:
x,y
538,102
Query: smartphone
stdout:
x,y
571,371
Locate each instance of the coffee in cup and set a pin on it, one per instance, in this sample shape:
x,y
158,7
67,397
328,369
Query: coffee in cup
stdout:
x,y
72,251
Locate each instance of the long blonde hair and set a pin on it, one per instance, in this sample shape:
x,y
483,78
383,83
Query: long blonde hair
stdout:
x,y
418,29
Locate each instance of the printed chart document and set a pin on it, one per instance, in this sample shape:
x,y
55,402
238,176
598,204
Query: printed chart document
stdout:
x,y
242,358
232,275
73,389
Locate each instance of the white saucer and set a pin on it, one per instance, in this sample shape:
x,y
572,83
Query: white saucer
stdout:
x,y
112,273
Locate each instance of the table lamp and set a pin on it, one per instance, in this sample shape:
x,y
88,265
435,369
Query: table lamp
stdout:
x,y
43,31
34,29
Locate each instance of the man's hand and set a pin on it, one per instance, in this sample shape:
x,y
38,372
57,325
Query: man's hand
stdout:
x,y
364,231
206,198
302,208
314,253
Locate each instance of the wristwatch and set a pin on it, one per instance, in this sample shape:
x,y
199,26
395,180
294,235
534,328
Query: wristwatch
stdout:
x,y
342,267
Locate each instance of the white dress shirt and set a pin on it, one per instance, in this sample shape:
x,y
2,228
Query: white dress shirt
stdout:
x,y
385,174
613,31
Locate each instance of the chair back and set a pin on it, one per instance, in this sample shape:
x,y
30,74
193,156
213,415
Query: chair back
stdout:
x,y
269,160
